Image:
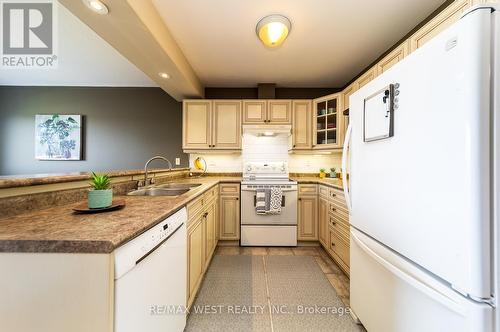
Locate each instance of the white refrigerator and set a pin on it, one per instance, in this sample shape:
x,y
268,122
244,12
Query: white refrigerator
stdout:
x,y
423,190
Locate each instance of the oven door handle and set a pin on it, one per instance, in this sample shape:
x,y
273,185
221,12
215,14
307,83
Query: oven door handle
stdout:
x,y
283,203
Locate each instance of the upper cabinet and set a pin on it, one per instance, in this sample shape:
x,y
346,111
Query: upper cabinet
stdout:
x,y
211,125
279,111
367,77
392,58
345,104
226,128
327,122
444,19
301,124
267,111
196,124
254,111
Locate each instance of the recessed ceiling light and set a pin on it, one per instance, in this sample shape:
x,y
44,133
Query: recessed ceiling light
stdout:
x,y
268,133
96,6
272,30
164,75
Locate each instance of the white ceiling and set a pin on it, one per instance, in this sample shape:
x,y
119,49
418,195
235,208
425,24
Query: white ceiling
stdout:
x,y
85,59
330,42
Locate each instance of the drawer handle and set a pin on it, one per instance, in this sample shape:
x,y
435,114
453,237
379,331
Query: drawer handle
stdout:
x,y
333,195
333,244
333,209
205,215
333,223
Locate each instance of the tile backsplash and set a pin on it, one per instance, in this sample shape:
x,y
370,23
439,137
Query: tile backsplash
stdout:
x,y
269,149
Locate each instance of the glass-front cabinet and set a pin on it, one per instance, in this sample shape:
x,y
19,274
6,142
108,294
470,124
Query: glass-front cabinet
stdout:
x,y
328,122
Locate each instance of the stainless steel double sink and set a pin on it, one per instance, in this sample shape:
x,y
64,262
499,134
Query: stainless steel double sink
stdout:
x,y
168,189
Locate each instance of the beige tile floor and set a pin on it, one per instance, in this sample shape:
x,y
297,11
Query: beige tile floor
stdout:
x,y
337,278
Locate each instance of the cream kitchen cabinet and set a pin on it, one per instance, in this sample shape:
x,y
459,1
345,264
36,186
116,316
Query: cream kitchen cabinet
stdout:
x,y
226,128
448,16
279,111
301,124
196,256
323,221
327,124
392,58
367,77
307,221
333,208
196,124
276,111
345,105
201,238
229,227
254,111
211,125
210,228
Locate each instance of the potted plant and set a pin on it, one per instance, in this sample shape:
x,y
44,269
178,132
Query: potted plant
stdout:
x,y
322,173
333,173
101,194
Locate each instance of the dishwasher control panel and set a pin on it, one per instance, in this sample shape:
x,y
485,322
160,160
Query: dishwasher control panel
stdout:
x,y
132,252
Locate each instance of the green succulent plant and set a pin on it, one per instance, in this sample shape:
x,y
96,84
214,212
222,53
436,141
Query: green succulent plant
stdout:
x,y
100,182
333,169
322,170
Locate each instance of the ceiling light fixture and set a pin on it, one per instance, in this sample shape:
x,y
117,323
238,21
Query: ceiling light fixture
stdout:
x,y
272,30
96,6
164,75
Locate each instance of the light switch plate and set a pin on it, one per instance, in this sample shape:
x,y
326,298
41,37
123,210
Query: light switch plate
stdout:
x,y
177,161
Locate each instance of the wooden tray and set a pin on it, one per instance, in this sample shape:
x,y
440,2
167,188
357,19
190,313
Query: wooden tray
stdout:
x,y
115,205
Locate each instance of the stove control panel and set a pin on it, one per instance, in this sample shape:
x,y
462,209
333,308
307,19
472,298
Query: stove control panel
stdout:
x,y
265,169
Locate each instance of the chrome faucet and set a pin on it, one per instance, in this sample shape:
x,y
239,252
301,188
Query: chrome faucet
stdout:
x,y
147,164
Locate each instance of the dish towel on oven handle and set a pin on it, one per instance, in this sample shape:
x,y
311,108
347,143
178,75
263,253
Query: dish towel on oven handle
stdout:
x,y
261,198
275,201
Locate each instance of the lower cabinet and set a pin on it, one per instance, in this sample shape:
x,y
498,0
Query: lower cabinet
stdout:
x,y
201,238
307,223
333,224
196,256
229,228
209,233
323,221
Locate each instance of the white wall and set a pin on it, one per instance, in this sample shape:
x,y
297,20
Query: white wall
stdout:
x,y
269,149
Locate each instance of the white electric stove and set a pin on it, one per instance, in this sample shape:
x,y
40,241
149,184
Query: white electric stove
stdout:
x,y
269,229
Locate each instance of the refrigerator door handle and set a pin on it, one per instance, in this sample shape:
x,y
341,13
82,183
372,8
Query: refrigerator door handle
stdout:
x,y
347,142
416,283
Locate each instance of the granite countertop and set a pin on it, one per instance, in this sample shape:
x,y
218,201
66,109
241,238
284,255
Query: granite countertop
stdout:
x,y
10,181
335,183
59,230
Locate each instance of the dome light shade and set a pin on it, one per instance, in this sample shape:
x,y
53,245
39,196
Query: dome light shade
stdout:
x,y
272,30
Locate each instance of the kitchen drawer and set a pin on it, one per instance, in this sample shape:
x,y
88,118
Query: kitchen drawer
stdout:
x,y
323,191
230,189
211,194
336,194
339,226
308,189
339,213
194,207
337,208
339,247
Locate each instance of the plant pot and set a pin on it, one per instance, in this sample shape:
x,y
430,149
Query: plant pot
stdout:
x,y
98,199
322,175
333,174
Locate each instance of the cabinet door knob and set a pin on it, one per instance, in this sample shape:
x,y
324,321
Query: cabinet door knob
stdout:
x,y
333,244
237,198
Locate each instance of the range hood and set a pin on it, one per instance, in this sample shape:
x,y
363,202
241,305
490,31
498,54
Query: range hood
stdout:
x,y
267,130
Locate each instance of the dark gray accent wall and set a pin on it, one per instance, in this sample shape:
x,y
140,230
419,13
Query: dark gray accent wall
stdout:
x,y
123,127
281,93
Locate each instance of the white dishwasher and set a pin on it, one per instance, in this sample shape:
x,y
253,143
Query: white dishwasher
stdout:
x,y
150,279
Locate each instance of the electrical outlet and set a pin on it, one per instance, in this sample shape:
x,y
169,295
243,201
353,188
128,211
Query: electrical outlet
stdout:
x,y
177,161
